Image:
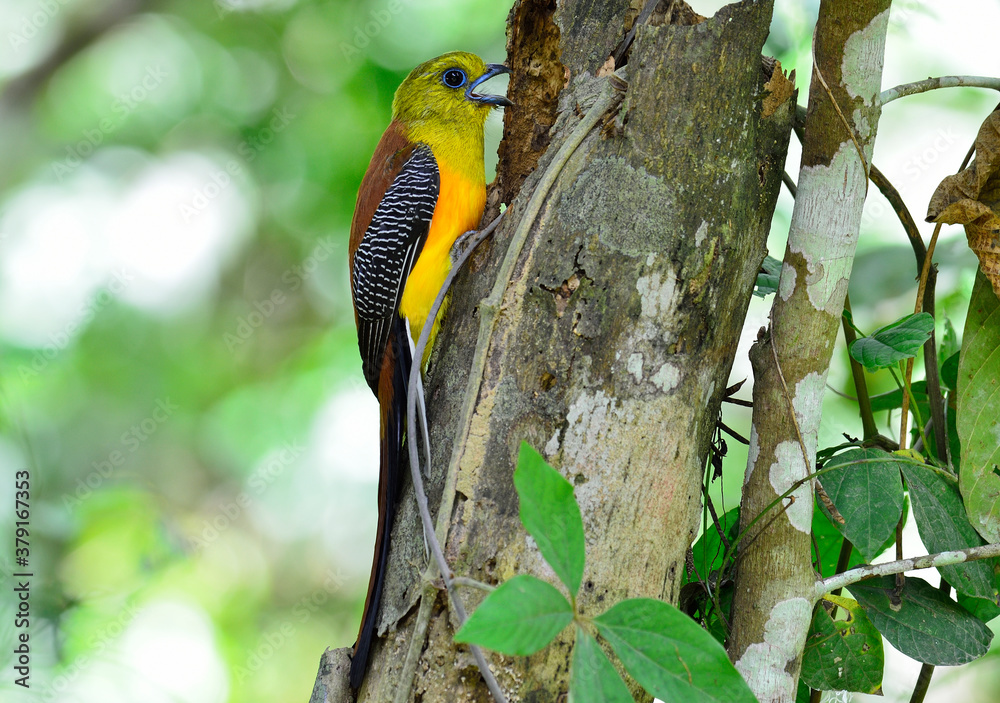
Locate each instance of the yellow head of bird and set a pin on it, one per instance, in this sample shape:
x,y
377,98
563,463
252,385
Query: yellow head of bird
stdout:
x,y
444,90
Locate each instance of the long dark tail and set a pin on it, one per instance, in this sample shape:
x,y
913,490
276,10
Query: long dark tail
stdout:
x,y
392,386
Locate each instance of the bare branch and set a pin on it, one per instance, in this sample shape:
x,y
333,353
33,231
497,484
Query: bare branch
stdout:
x,y
901,91
928,561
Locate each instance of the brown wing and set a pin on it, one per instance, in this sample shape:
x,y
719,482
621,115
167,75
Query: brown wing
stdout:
x,y
391,153
387,253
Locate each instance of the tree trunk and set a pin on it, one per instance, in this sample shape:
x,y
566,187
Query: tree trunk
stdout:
x,y
617,330
774,598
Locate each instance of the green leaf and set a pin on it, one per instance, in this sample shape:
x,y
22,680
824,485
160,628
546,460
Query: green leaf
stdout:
x,y
717,623
593,678
706,557
843,655
669,655
943,526
949,371
868,495
551,516
894,399
767,282
894,342
950,344
802,693
708,551
954,442
520,617
926,625
978,415
827,542
982,608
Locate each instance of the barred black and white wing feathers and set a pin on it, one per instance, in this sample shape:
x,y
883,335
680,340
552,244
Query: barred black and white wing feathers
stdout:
x,y
387,253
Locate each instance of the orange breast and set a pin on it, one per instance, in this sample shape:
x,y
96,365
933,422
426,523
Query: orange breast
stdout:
x,y
459,209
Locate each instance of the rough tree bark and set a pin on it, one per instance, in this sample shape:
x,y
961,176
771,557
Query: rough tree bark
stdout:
x,y
774,594
617,331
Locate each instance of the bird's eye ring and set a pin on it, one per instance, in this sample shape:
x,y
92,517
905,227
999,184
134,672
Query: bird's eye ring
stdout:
x,y
453,78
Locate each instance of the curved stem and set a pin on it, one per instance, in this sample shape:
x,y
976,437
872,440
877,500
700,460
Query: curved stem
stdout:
x,y
901,91
490,306
421,495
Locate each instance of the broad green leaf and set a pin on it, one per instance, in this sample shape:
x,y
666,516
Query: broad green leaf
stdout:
x,y
593,678
869,496
520,617
927,625
982,608
978,415
551,516
843,655
894,399
943,526
828,541
767,282
894,342
669,655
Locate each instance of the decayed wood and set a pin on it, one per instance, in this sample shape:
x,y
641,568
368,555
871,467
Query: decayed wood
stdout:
x,y
615,338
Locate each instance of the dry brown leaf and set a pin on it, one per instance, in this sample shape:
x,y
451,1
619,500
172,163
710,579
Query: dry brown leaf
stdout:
x,y
779,88
972,198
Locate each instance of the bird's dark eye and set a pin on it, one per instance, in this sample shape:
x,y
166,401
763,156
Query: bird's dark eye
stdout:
x,y
454,78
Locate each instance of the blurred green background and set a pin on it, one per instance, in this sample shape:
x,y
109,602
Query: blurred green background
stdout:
x,y
178,366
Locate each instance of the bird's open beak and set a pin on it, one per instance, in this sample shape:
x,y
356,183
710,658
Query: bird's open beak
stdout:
x,y
492,69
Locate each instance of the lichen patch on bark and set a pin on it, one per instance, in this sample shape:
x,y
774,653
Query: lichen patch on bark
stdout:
x,y
764,664
634,366
786,283
785,471
861,65
667,378
808,399
826,221
658,294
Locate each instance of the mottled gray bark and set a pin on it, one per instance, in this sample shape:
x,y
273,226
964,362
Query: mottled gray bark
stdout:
x,y
775,581
617,331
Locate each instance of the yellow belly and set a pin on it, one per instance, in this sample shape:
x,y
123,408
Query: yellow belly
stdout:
x,y
459,209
